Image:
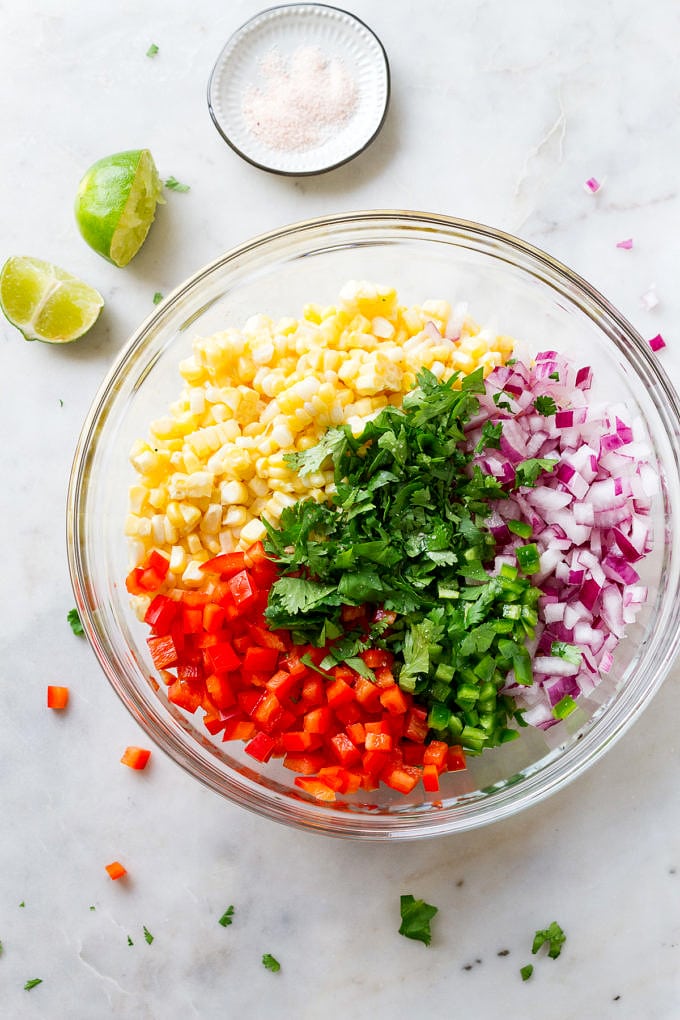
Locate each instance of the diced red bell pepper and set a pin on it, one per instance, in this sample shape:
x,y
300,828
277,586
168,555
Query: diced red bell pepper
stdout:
x,y
318,720
339,693
367,694
384,614
416,725
136,757
431,778
349,713
266,638
163,651
282,684
161,613
377,658
158,563
149,579
239,729
261,747
220,691
57,697
184,696
402,778
394,700
267,711
455,759
353,614
190,671
223,658
115,870
213,617
260,659
242,589
300,740
436,753
356,732
313,690
378,742
345,751
315,787
248,699
226,564
384,677
307,763
214,724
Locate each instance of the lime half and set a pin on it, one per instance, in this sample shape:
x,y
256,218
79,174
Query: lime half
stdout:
x,y
45,302
116,204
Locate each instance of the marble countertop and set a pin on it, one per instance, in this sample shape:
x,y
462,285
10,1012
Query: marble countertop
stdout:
x,y
499,113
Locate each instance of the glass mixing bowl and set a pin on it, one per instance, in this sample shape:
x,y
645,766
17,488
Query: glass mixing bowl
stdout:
x,y
524,293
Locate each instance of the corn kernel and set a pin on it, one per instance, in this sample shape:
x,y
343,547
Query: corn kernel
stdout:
x,y
233,492
253,531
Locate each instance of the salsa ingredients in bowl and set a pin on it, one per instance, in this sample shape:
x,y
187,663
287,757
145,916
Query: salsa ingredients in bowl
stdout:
x,y
458,561
537,300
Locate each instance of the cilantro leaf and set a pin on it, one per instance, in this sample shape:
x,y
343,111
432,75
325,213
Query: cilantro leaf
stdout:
x,y
172,184
526,971
491,436
130,942
270,963
152,50
332,444
32,984
415,919
553,936
226,918
147,935
157,298
528,471
545,405
73,618
295,595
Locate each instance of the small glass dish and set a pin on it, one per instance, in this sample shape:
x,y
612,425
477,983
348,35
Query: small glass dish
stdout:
x,y
302,119
528,295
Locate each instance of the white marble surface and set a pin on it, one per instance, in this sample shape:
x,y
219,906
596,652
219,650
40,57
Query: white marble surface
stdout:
x,y
500,111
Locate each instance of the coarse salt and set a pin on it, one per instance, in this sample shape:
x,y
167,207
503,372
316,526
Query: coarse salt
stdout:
x,y
302,102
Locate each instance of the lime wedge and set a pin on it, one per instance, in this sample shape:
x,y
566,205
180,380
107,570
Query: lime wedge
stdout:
x,y
116,204
45,302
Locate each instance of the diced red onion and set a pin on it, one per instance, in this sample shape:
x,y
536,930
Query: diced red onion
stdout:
x,y
657,342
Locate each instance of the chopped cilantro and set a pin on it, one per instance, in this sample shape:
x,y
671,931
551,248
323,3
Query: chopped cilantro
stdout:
x,y
491,436
22,904
510,362
32,983
527,471
555,376
93,908
554,936
226,917
74,620
172,184
147,935
415,919
407,529
130,942
157,298
545,405
563,650
61,402
270,962
526,971
152,50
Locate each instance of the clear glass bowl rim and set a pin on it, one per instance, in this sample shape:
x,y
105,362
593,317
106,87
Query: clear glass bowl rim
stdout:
x,y
310,815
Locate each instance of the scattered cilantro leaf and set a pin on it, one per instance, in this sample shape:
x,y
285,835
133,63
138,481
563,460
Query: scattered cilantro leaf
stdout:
x,y
73,618
555,376
157,298
130,942
61,402
172,184
93,907
564,650
332,443
415,919
553,936
545,405
22,904
226,918
152,50
32,984
526,971
270,963
528,471
147,935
